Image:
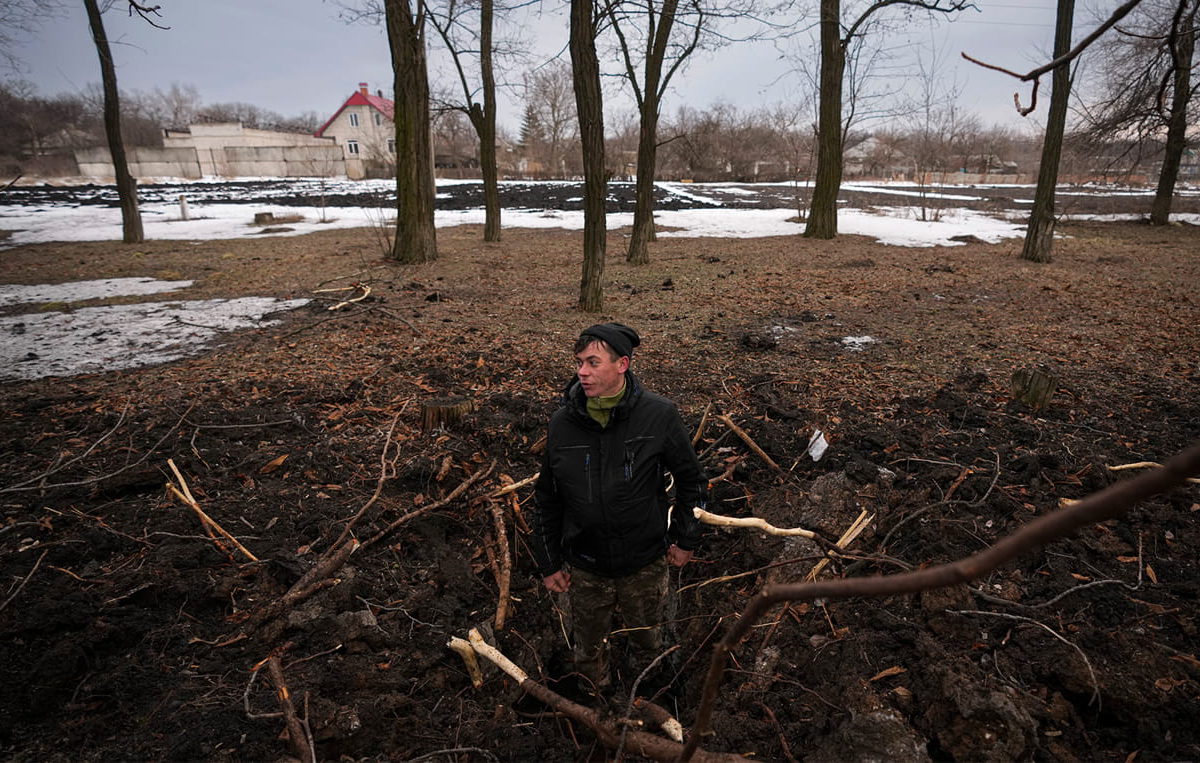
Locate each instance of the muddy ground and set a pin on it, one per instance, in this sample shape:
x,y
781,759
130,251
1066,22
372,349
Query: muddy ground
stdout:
x,y
127,633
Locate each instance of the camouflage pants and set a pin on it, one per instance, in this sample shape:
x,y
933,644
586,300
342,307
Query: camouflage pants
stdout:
x,y
640,599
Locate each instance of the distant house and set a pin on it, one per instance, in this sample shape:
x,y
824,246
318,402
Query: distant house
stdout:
x,y
363,127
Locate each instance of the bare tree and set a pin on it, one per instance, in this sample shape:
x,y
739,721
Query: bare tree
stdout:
x,y
551,122
416,236
462,40
936,128
589,102
1039,236
177,105
1147,96
131,217
652,54
836,39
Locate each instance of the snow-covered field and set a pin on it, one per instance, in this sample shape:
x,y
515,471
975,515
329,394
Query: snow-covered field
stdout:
x,y
36,342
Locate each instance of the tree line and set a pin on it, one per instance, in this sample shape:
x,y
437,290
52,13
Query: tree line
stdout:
x,y
1151,97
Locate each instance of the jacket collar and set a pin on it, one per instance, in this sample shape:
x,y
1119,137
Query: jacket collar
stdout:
x,y
574,398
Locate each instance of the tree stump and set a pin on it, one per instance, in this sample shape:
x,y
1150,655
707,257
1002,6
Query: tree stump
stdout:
x,y
1033,386
444,412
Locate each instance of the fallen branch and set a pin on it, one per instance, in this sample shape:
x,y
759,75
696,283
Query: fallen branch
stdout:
x,y
365,288
504,579
25,580
295,728
1111,502
387,470
606,730
315,579
674,731
184,493
853,531
514,486
454,494
1091,673
701,426
1146,465
758,523
470,661
728,422
40,479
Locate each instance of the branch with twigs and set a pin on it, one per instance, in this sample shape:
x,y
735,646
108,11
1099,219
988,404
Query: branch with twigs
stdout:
x,y
479,474
39,482
387,470
1109,503
607,730
1088,663
298,736
1035,75
359,286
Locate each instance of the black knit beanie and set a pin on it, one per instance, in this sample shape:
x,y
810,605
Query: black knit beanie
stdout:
x,y
618,336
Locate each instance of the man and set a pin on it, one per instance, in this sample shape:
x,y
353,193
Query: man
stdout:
x,y
600,531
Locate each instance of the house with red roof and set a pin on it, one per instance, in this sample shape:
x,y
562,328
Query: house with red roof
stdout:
x,y
363,127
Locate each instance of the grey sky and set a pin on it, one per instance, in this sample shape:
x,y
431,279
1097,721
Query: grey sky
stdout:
x,y
293,56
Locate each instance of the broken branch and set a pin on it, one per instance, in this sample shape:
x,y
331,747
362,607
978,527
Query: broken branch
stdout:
x,y
504,579
454,494
1146,465
728,422
184,493
1111,502
758,523
853,531
467,653
639,742
295,729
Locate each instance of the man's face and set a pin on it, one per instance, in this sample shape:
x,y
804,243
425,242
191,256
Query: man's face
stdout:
x,y
600,375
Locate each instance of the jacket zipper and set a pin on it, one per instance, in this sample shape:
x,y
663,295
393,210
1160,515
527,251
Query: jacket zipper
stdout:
x,y
587,467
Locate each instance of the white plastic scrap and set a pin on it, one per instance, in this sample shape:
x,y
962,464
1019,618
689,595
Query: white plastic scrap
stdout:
x,y
817,445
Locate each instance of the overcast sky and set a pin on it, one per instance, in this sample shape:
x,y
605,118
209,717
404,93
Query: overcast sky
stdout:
x,y
295,56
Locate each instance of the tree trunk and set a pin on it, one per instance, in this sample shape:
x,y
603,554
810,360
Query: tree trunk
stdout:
x,y
416,237
643,205
589,103
487,131
822,212
131,218
647,158
1039,236
1181,56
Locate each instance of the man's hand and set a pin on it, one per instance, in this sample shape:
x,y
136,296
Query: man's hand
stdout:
x,y
559,582
677,557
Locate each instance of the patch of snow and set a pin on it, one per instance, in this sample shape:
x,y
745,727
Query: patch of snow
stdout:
x,y
96,339
687,191
858,343
78,291
892,191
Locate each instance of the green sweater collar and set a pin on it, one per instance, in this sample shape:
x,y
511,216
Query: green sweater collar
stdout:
x,y
601,408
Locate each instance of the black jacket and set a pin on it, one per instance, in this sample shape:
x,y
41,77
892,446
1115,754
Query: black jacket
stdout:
x,y
601,500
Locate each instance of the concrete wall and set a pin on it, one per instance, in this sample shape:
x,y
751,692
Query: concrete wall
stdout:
x,y
323,160
143,162
227,134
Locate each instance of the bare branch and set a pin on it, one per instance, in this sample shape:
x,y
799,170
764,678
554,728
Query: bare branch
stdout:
x,y
1109,503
